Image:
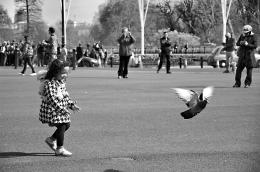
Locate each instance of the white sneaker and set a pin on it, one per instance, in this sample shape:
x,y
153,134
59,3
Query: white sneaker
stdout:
x,y
62,152
21,74
33,74
51,143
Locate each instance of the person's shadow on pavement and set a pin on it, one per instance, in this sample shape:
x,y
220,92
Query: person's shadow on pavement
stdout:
x,y
20,154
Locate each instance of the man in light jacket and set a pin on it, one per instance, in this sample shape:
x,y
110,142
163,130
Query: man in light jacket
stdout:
x,y
51,45
230,51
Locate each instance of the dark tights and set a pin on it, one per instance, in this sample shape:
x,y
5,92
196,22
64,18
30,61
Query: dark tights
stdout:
x,y
59,133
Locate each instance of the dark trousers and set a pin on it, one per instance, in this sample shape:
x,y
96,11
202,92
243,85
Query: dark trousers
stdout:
x,y
123,66
40,60
59,133
239,70
2,59
16,60
27,60
168,63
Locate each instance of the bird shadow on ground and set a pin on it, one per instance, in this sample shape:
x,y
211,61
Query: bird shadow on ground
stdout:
x,y
21,154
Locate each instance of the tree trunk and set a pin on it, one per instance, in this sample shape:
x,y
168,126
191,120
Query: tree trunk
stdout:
x,y
28,21
231,29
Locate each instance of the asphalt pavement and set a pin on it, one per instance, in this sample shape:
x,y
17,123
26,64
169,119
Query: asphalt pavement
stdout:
x,y
134,124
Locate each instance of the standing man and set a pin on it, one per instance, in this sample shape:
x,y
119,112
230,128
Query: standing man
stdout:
x,y
87,52
186,46
79,51
3,55
247,43
51,45
175,47
165,52
229,47
125,51
40,54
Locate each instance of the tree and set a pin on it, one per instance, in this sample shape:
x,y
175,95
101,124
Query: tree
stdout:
x,y
188,14
116,14
6,33
245,12
209,16
31,11
171,16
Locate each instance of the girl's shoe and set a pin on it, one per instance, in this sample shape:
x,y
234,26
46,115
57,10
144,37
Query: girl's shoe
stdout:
x,y
62,152
51,143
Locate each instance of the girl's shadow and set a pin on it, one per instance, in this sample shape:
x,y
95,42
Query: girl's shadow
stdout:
x,y
20,154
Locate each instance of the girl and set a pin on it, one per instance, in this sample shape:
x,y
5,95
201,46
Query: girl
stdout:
x,y
55,104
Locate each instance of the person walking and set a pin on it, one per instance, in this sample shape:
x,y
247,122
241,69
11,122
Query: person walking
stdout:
x,y
165,52
229,47
126,40
27,51
55,104
247,43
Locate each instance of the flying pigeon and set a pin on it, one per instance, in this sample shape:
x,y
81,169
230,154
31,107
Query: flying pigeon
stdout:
x,y
196,102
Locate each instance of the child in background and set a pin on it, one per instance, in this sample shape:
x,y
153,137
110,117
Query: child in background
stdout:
x,y
55,104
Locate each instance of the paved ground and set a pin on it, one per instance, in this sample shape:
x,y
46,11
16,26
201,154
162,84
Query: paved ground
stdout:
x,y
133,125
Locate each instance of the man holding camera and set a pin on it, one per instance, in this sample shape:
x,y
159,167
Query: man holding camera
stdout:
x,y
165,52
125,51
247,43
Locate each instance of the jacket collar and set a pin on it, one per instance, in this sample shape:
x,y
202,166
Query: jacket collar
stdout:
x,y
252,33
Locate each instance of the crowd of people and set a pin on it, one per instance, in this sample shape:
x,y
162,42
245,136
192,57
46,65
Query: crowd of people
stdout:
x,y
13,53
23,53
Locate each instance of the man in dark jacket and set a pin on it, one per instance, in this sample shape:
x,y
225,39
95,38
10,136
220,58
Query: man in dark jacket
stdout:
x,y
230,50
247,43
165,52
125,51
79,51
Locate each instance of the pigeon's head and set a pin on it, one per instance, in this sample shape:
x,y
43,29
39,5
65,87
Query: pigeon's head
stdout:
x,y
206,93
201,97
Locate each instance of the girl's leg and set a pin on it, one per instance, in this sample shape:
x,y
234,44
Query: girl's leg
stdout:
x,y
59,133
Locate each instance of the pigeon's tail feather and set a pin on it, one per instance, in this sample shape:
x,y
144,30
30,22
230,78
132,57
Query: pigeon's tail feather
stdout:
x,y
188,114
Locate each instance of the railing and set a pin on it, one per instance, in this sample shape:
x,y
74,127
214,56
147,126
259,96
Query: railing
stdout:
x,y
190,50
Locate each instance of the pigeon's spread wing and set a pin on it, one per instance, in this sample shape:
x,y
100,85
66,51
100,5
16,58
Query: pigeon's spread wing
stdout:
x,y
207,92
183,94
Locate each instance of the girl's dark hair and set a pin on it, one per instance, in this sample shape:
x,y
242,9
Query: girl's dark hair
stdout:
x,y
55,69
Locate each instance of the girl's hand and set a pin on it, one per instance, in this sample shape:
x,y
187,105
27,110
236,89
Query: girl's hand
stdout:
x,y
76,108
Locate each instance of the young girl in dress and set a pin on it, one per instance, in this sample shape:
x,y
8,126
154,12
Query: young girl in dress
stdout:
x,y
55,104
